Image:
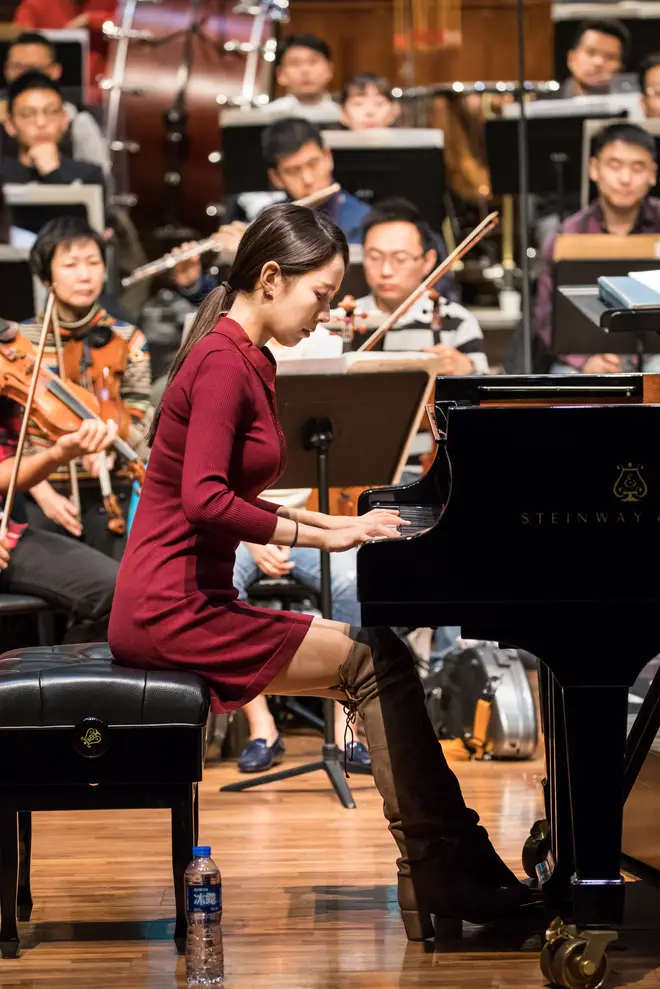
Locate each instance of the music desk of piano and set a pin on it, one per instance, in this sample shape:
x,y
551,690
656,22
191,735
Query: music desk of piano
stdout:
x,y
538,525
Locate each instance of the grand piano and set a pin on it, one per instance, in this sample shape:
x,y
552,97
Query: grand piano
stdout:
x,y
538,526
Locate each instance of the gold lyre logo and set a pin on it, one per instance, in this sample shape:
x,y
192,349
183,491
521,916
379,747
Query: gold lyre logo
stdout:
x,y
630,485
91,737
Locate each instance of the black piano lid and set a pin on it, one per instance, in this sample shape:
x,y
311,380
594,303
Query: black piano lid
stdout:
x,y
477,389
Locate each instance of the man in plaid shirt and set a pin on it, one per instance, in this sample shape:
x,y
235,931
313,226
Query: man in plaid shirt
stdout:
x,y
66,574
624,169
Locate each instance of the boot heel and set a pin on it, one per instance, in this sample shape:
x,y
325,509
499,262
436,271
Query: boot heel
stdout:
x,y
418,926
447,928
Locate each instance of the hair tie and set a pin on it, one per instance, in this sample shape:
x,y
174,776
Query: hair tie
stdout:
x,y
227,287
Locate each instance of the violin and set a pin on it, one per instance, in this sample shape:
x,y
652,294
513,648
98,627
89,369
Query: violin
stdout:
x,y
58,406
347,325
102,377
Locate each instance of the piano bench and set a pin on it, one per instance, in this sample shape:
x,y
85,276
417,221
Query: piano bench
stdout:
x,y
79,733
13,605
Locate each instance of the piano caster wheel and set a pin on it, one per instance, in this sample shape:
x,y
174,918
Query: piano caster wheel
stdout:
x,y
575,960
536,848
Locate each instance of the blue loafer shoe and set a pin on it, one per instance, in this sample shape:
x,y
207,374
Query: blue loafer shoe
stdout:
x,y
258,755
359,760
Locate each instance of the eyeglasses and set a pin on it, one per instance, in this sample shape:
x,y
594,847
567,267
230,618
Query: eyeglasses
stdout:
x,y
397,259
29,113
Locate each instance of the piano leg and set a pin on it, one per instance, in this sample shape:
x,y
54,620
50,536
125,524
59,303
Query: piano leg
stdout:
x,y
556,879
545,703
595,731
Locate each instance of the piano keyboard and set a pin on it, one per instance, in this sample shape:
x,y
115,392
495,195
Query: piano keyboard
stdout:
x,y
421,517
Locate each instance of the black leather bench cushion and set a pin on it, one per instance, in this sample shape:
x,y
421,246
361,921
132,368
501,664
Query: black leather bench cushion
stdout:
x,y
59,686
14,604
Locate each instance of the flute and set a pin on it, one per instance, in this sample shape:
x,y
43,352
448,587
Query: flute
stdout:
x,y
213,243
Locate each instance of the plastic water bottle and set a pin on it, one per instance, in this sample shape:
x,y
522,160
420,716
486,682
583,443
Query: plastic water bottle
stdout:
x,y
204,954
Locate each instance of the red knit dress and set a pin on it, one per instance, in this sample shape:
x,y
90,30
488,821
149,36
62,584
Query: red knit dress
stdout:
x,y
219,444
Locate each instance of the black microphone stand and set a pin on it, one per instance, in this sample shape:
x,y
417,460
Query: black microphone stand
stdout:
x,y
318,436
523,196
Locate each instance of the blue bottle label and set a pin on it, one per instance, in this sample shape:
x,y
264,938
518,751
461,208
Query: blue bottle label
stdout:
x,y
206,898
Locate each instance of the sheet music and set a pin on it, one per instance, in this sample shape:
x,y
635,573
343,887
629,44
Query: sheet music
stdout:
x,y
651,279
369,361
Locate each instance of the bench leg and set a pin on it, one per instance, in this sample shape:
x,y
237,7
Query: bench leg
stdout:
x,y
196,813
24,899
183,839
9,943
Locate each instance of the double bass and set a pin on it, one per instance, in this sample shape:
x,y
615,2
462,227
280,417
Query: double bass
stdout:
x,y
172,65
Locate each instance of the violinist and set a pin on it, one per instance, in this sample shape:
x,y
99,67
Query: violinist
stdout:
x,y
399,252
68,575
108,357
216,444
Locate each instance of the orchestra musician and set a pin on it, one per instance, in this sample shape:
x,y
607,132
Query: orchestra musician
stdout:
x,y
367,102
91,15
37,119
623,167
649,85
598,53
399,252
299,164
68,575
303,67
34,52
216,444
105,355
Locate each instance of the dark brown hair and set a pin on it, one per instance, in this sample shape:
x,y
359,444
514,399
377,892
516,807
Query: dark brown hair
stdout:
x,y
297,238
359,83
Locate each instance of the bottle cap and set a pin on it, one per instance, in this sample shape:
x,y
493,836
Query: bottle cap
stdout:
x,y
202,851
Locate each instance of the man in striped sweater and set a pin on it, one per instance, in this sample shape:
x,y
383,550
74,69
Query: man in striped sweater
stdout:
x,y
399,253
100,353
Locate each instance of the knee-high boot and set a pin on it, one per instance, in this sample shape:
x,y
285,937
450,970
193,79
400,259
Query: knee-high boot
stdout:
x,y
447,865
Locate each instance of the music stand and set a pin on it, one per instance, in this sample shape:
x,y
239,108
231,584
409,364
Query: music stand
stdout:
x,y
243,165
19,288
392,161
555,154
587,326
331,420
32,204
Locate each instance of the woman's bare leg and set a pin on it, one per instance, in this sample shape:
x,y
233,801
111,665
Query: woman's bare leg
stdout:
x,y
315,667
260,721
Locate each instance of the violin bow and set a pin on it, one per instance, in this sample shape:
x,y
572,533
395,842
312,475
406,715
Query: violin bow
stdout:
x,y
472,238
73,470
11,490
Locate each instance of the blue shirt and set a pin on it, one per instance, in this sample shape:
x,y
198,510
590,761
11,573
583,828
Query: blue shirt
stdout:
x,y
348,213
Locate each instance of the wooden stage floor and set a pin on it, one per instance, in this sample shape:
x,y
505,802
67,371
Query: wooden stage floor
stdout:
x,y
309,901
